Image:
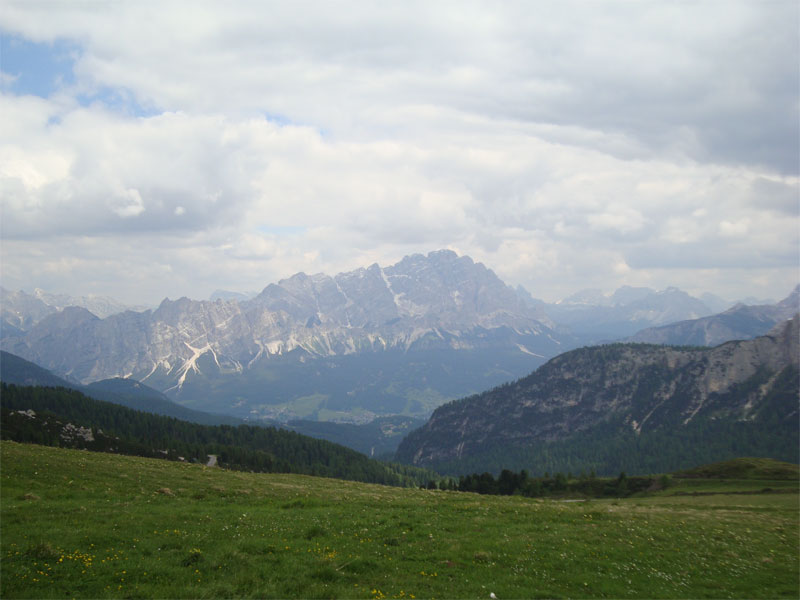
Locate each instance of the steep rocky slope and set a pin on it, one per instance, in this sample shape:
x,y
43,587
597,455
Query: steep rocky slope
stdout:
x,y
596,394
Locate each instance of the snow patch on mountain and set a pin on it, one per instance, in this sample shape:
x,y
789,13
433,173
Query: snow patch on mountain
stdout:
x,y
190,364
526,351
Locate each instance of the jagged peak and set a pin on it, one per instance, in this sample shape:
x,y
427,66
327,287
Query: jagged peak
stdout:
x,y
585,296
446,254
790,326
182,300
300,276
793,298
77,310
74,315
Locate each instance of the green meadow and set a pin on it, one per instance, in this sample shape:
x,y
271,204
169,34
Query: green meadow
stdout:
x,y
76,524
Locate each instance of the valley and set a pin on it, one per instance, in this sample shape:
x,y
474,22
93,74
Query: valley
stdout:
x,y
283,515
368,356
408,300
374,342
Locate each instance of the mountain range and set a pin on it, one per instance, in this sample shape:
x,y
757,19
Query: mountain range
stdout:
x,y
373,342
19,311
594,317
740,322
631,406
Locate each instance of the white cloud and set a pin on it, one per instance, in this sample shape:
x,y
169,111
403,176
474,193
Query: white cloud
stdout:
x,y
566,146
737,229
6,79
129,204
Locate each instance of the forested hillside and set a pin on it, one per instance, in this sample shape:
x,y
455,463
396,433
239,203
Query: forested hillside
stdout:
x,y
625,407
126,392
64,417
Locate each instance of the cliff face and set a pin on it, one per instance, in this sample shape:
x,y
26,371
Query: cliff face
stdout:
x,y
640,387
313,343
439,300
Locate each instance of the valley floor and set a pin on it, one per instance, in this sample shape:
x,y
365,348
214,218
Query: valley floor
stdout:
x,y
87,525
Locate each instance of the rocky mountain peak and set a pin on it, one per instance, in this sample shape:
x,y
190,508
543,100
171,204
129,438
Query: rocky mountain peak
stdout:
x,y
627,294
792,301
446,255
589,296
71,316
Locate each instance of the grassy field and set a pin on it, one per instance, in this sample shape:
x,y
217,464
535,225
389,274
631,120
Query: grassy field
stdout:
x,y
85,525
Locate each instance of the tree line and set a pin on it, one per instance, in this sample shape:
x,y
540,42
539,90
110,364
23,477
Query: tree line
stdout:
x,y
520,483
612,446
123,430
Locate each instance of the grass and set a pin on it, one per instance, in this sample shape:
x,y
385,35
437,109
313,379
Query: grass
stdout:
x,y
79,524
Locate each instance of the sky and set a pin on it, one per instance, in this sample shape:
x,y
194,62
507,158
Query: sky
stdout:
x,y
157,149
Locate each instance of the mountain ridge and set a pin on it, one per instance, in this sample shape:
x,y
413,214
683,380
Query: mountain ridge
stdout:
x,y
376,341
124,392
630,390
738,322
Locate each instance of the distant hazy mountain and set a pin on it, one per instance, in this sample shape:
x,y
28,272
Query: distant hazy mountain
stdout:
x,y
226,295
754,301
587,297
626,406
102,306
19,311
593,316
375,341
715,303
738,323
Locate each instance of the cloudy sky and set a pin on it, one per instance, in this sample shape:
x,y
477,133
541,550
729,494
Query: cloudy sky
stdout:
x,y
152,149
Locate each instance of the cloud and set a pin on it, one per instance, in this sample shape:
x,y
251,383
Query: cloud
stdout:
x,y
689,79
737,229
97,172
565,145
774,194
7,79
131,204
